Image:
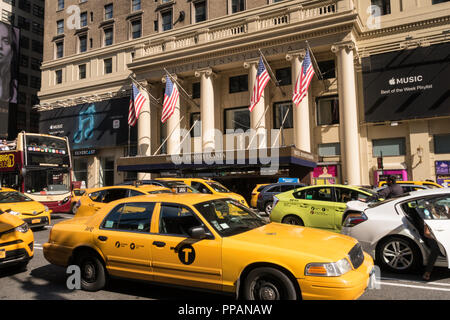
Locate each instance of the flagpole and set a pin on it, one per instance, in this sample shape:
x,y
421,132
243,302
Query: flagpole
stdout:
x,y
188,132
272,75
143,88
314,61
129,130
257,126
168,136
281,127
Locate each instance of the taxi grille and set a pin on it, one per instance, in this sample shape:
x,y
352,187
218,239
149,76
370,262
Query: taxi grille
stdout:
x,y
356,256
14,255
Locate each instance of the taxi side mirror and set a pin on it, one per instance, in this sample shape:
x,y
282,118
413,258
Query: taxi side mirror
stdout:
x,y
198,233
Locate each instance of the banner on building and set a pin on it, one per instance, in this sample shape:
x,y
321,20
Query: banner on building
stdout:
x,y
9,67
90,126
407,84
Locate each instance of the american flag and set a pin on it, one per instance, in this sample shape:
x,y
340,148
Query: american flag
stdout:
x,y
303,80
262,77
171,96
137,101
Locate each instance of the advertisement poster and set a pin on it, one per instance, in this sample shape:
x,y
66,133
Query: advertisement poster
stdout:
x,y
325,174
9,55
443,173
407,84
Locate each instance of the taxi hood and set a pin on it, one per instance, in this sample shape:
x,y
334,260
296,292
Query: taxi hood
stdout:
x,y
23,207
8,221
277,238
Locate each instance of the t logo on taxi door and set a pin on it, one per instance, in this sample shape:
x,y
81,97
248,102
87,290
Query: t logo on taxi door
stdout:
x,y
186,254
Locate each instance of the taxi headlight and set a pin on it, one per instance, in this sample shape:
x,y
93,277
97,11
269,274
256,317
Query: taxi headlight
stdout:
x,y
22,228
46,208
14,213
333,269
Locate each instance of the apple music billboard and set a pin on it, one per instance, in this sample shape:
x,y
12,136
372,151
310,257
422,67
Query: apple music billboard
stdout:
x,y
407,84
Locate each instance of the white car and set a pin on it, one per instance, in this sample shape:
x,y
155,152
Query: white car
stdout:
x,y
391,231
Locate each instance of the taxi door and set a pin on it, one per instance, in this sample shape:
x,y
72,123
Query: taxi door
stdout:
x,y
320,207
440,223
125,241
179,259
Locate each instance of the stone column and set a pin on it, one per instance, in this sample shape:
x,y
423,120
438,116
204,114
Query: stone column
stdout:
x,y
207,110
144,134
302,130
257,117
348,109
173,124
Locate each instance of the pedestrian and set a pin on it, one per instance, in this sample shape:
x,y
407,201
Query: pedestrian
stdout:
x,y
430,213
392,189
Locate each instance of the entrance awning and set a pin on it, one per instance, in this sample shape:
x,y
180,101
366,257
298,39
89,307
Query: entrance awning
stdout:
x,y
231,160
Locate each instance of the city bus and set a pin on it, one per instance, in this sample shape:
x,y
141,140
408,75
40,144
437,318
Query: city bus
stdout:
x,y
38,165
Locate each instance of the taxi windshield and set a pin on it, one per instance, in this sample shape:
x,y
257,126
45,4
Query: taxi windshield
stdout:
x,y
13,197
217,187
228,217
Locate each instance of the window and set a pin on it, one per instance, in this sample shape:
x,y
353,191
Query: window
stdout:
x,y
83,43
197,129
38,11
200,11
327,110
24,61
83,19
134,217
60,4
35,82
136,29
22,98
38,28
109,36
82,71
284,76
384,5
317,194
279,115
166,18
36,46
389,147
108,65
59,49
238,118
441,143
23,23
24,42
106,172
177,220
58,76
135,5
345,195
80,169
200,187
23,79
25,5
8,16
327,68
329,149
35,64
109,11
238,84
237,5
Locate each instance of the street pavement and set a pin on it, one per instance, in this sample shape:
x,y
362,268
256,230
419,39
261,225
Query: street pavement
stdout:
x,y
43,281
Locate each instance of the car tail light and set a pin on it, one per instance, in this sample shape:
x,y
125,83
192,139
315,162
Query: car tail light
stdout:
x,y
354,219
260,195
275,201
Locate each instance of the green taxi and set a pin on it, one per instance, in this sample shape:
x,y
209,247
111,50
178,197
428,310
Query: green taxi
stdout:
x,y
320,206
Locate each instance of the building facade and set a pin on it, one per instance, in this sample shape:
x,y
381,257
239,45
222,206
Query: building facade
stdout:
x,y
358,122
27,17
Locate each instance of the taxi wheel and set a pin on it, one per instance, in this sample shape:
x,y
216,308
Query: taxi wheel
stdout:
x,y
294,220
398,254
268,284
268,207
93,275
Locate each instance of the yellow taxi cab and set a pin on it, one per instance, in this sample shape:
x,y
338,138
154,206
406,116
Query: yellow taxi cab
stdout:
x,y
255,192
209,242
96,198
428,184
32,212
16,241
208,186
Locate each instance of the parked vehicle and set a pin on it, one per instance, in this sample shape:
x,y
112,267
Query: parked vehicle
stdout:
x,y
255,192
428,184
389,230
265,197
